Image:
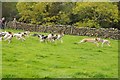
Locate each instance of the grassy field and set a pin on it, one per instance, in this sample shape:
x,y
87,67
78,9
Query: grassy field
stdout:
x,y
32,59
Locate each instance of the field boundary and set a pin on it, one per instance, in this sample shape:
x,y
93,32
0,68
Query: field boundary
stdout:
x,y
110,33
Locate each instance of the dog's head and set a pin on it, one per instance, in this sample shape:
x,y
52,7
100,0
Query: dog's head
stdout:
x,y
55,37
19,32
10,32
27,32
62,34
52,34
97,39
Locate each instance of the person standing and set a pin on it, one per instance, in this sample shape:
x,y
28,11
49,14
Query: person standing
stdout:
x,y
0,23
15,23
3,23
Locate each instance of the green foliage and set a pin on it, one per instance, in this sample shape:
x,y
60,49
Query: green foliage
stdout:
x,y
87,14
96,14
9,10
88,23
31,12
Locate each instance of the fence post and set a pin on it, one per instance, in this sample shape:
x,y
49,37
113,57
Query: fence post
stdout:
x,y
35,28
71,32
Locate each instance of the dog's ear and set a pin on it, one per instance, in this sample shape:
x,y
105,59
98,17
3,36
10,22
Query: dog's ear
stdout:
x,y
96,39
23,35
52,34
10,32
38,35
19,32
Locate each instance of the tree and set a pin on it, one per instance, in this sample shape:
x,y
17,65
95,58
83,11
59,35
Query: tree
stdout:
x,y
85,14
9,10
96,14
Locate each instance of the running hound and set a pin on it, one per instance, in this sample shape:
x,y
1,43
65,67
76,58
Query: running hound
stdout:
x,y
26,33
58,37
19,36
2,34
104,41
42,37
91,40
8,36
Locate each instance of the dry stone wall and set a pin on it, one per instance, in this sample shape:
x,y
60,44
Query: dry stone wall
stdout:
x,y
70,30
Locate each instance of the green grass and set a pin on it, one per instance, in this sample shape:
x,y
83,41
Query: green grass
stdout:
x,y
32,59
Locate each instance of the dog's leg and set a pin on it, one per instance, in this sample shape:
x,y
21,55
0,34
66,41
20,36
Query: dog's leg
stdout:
x,y
5,37
108,43
23,39
51,40
0,38
45,41
82,41
61,40
9,38
18,38
28,35
96,44
41,40
79,42
9,41
102,44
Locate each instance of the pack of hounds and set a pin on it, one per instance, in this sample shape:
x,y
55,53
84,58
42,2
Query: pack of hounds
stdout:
x,y
7,36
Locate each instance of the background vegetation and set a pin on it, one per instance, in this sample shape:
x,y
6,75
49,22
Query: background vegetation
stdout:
x,y
87,14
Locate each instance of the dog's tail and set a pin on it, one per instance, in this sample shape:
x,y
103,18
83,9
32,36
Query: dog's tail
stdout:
x,y
109,43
